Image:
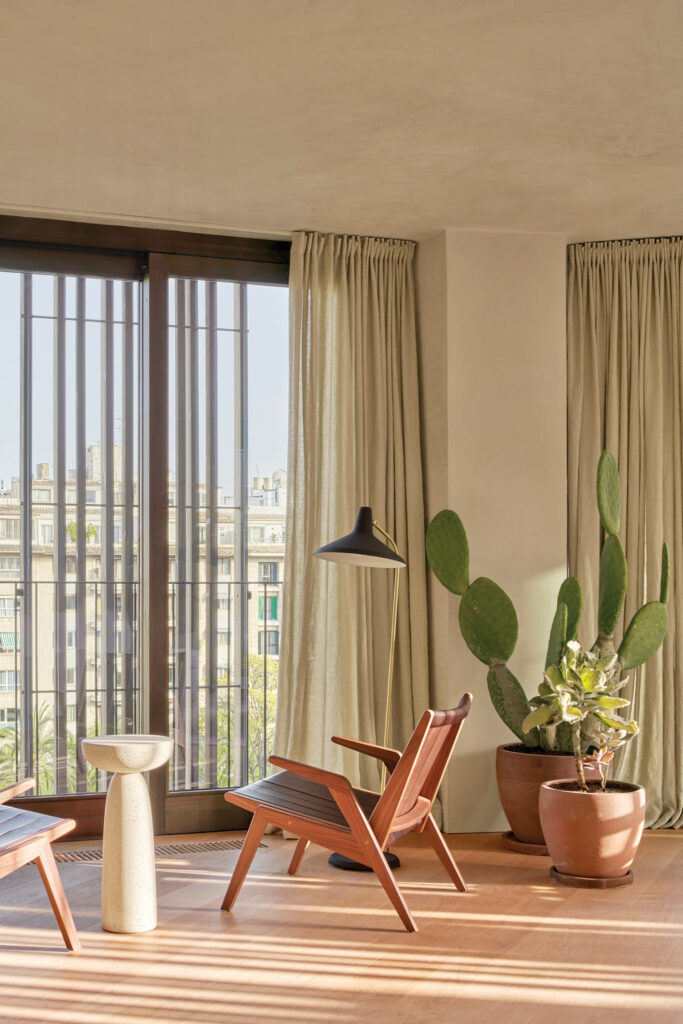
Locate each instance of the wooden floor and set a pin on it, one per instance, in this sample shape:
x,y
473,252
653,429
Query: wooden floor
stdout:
x,y
326,947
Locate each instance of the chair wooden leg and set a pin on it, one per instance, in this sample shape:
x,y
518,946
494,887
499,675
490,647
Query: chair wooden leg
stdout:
x,y
383,872
301,848
444,854
254,835
49,873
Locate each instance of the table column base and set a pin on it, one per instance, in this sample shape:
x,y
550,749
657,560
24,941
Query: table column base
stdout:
x,y
129,899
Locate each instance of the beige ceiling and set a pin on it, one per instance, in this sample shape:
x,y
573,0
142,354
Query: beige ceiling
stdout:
x,y
376,116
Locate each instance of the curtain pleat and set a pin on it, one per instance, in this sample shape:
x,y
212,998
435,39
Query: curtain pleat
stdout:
x,y
625,378
354,440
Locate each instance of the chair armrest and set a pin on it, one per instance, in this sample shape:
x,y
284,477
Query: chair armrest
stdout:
x,y
389,756
16,789
330,779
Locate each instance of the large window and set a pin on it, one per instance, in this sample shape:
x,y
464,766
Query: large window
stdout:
x,y
68,505
228,385
143,434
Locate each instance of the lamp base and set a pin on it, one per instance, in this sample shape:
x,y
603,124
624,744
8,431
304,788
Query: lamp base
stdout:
x,y
338,860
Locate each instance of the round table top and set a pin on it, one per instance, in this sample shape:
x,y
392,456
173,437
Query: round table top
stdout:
x,y
126,754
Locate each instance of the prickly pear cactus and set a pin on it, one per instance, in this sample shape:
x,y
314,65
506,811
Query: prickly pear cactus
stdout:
x,y
558,636
612,588
664,584
448,552
488,621
570,593
644,635
609,493
510,701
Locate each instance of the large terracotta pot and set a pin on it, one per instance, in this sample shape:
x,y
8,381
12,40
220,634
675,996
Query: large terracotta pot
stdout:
x,y
520,773
592,835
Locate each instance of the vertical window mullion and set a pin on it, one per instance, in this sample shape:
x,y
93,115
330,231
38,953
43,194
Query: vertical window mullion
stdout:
x,y
81,540
107,521
128,514
211,692
181,545
59,530
26,444
192,452
241,610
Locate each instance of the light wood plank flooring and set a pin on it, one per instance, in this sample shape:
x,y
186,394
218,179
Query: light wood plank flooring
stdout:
x,y
325,947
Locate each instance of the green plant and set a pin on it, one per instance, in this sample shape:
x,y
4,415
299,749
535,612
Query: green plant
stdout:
x,y
488,620
580,691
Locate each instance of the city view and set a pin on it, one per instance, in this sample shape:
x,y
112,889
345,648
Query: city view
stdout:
x,y
71,624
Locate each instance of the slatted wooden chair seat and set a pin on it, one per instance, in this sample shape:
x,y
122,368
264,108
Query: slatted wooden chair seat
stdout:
x,y
324,808
290,793
26,836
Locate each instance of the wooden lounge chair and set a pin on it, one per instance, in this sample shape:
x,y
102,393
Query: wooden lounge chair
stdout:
x,y
323,807
26,836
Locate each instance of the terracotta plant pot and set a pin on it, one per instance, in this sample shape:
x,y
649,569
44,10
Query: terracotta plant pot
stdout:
x,y
592,835
520,773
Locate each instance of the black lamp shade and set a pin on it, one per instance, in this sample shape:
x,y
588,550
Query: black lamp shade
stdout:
x,y
361,546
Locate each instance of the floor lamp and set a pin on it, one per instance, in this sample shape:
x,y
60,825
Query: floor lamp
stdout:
x,y
362,548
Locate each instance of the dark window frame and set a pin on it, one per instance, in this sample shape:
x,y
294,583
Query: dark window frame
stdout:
x,y
151,255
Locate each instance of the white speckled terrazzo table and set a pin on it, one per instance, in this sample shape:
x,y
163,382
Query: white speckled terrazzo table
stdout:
x,y
129,900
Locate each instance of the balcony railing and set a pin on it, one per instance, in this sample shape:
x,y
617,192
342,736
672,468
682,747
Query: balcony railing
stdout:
x,y
81,678
223,687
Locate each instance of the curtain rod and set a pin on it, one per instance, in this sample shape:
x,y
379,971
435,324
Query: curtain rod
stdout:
x,y
624,241
352,234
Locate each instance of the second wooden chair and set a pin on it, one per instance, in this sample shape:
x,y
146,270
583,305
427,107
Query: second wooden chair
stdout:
x,y
323,807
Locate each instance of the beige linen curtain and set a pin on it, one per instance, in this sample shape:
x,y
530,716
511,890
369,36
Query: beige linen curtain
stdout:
x,y
354,440
625,380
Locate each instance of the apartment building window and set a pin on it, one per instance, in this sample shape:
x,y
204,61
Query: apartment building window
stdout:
x,y
10,529
270,606
9,606
10,567
271,639
223,567
9,680
8,716
268,572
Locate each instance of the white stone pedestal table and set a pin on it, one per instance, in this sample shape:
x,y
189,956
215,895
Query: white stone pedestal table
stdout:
x,y
129,895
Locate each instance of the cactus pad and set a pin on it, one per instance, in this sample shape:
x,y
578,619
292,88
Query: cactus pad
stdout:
x,y
448,553
609,493
488,621
613,578
571,594
558,636
664,585
644,635
509,700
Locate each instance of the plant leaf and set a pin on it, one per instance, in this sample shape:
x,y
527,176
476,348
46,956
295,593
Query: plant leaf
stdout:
x,y
539,716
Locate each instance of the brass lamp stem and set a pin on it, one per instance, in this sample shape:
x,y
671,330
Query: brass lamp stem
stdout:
x,y
392,647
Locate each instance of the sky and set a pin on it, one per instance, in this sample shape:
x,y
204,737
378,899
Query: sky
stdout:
x,y
268,389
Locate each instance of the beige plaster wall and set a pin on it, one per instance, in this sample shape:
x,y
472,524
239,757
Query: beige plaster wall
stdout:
x,y
499,436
